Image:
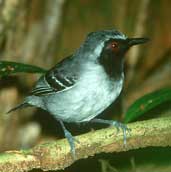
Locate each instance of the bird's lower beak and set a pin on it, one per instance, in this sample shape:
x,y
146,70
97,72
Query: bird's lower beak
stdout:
x,y
136,41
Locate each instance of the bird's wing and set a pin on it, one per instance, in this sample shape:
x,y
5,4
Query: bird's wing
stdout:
x,y
60,78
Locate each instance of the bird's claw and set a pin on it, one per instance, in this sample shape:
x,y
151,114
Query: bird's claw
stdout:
x,y
124,129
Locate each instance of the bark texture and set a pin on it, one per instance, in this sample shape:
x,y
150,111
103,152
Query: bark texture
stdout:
x,y
56,155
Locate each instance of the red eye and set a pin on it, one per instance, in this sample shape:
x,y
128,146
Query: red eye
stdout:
x,y
113,46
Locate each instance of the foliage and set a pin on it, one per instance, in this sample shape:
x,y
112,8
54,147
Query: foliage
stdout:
x,y
8,68
146,103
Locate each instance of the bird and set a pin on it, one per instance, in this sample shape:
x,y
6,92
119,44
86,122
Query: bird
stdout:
x,y
81,86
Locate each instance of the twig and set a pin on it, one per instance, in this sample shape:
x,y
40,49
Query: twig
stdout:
x,y
56,155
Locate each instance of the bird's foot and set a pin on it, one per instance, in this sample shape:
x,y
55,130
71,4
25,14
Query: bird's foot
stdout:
x,y
121,126
71,140
117,124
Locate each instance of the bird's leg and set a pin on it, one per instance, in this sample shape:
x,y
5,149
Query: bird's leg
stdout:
x,y
70,139
117,124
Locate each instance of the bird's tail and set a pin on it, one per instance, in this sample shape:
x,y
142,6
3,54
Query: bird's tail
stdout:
x,y
22,105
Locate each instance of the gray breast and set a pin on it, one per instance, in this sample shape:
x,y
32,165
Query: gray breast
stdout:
x,y
93,93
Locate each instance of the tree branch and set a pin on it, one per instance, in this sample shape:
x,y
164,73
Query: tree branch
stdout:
x,y
56,155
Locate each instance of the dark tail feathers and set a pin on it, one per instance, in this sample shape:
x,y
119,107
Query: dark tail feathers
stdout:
x,y
22,105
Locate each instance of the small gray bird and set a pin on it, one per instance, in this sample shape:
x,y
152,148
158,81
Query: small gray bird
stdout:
x,y
84,84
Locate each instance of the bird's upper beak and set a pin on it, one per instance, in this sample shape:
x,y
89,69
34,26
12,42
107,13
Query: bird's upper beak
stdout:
x,y
136,41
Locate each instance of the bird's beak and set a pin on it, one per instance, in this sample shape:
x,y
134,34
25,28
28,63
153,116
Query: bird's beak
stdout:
x,y
136,41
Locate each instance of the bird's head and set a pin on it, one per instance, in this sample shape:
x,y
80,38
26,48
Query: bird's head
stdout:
x,y
108,48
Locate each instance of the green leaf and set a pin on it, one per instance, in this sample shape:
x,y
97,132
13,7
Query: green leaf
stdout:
x,y
8,68
146,103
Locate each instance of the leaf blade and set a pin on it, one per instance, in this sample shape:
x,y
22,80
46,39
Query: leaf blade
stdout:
x,y
146,103
9,67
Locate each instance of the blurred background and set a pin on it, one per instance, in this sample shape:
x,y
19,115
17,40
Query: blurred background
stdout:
x,y
42,32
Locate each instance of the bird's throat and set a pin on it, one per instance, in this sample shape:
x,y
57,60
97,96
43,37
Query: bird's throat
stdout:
x,y
113,66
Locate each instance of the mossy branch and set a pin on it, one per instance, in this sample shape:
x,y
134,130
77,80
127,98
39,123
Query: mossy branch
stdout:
x,y
56,155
